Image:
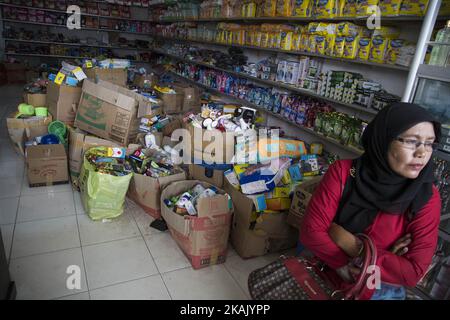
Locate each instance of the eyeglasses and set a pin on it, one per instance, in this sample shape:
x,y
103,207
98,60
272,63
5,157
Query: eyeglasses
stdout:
x,y
414,144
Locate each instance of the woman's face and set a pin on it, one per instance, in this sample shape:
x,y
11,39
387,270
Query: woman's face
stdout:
x,y
404,157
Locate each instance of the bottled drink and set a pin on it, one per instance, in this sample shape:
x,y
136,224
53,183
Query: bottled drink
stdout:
x,y
440,56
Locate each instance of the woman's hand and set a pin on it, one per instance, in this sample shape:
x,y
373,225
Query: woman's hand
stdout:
x,y
345,240
400,247
349,272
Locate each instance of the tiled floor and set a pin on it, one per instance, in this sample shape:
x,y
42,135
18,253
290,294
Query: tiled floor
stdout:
x,y
45,230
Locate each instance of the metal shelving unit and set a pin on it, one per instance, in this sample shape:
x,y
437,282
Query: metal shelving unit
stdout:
x,y
272,83
276,115
54,56
64,12
77,45
297,53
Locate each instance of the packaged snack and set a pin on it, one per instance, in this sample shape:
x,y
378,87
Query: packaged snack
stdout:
x,y
286,40
329,44
309,165
351,47
320,44
390,7
325,9
302,8
284,8
364,48
346,29
348,8
413,7
270,8
378,49
339,44
363,7
393,50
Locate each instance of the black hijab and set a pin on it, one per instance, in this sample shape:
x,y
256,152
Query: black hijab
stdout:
x,y
375,187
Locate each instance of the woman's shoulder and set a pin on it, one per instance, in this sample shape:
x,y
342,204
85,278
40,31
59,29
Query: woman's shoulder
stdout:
x,y
341,166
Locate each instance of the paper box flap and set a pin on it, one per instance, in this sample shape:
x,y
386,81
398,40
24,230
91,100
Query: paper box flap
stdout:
x,y
44,152
212,206
110,93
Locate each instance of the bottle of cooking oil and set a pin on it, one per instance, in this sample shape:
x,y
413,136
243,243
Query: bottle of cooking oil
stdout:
x,y
440,56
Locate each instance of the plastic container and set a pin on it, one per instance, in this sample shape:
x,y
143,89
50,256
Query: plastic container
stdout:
x,y
49,139
41,111
59,129
26,109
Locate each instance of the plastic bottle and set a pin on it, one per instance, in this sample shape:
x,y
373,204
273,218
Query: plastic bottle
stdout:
x,y
440,56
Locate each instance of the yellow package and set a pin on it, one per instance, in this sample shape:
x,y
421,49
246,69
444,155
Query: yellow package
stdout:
x,y
325,9
347,29
302,8
281,192
286,179
264,39
270,8
393,50
364,48
320,44
339,44
351,47
284,8
390,7
378,49
413,7
363,7
311,46
240,169
304,42
445,8
273,38
329,44
251,10
347,8
286,40
296,42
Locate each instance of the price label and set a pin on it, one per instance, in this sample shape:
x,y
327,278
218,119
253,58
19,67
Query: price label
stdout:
x,y
59,78
88,64
79,74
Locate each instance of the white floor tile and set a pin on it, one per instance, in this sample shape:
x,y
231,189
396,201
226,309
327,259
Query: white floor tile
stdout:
x,y
78,204
117,261
11,169
7,152
151,288
7,237
166,253
45,206
43,236
211,283
27,191
143,219
78,296
93,232
8,210
240,268
45,276
10,187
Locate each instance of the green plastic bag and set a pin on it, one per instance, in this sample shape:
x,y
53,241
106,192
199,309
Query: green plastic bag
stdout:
x,y
103,195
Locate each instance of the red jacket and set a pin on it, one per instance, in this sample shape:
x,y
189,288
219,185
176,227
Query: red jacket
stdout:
x,y
404,270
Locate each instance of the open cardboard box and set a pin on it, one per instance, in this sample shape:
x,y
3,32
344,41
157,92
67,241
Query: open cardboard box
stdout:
x,y
203,238
46,165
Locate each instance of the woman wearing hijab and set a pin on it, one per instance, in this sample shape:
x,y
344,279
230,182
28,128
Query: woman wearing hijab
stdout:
x,y
387,194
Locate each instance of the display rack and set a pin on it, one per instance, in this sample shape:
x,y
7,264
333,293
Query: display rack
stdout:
x,y
297,53
322,137
272,83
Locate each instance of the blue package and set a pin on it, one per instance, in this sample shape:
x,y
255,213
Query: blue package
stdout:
x,y
295,173
70,81
52,77
257,176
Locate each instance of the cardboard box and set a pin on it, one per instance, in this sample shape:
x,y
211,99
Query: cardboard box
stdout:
x,y
204,238
146,191
46,165
15,72
116,76
62,102
22,130
172,102
191,96
253,236
111,112
35,99
79,143
146,81
207,174
204,145
302,194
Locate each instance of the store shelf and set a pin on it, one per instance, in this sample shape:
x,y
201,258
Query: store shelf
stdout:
x,y
272,83
64,12
76,30
298,53
58,56
442,155
76,45
276,115
131,6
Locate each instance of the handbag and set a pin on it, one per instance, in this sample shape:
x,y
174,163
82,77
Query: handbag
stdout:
x,y
306,278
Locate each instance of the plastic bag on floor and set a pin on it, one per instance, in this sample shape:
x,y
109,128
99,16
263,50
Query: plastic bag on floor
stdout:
x,y
102,194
